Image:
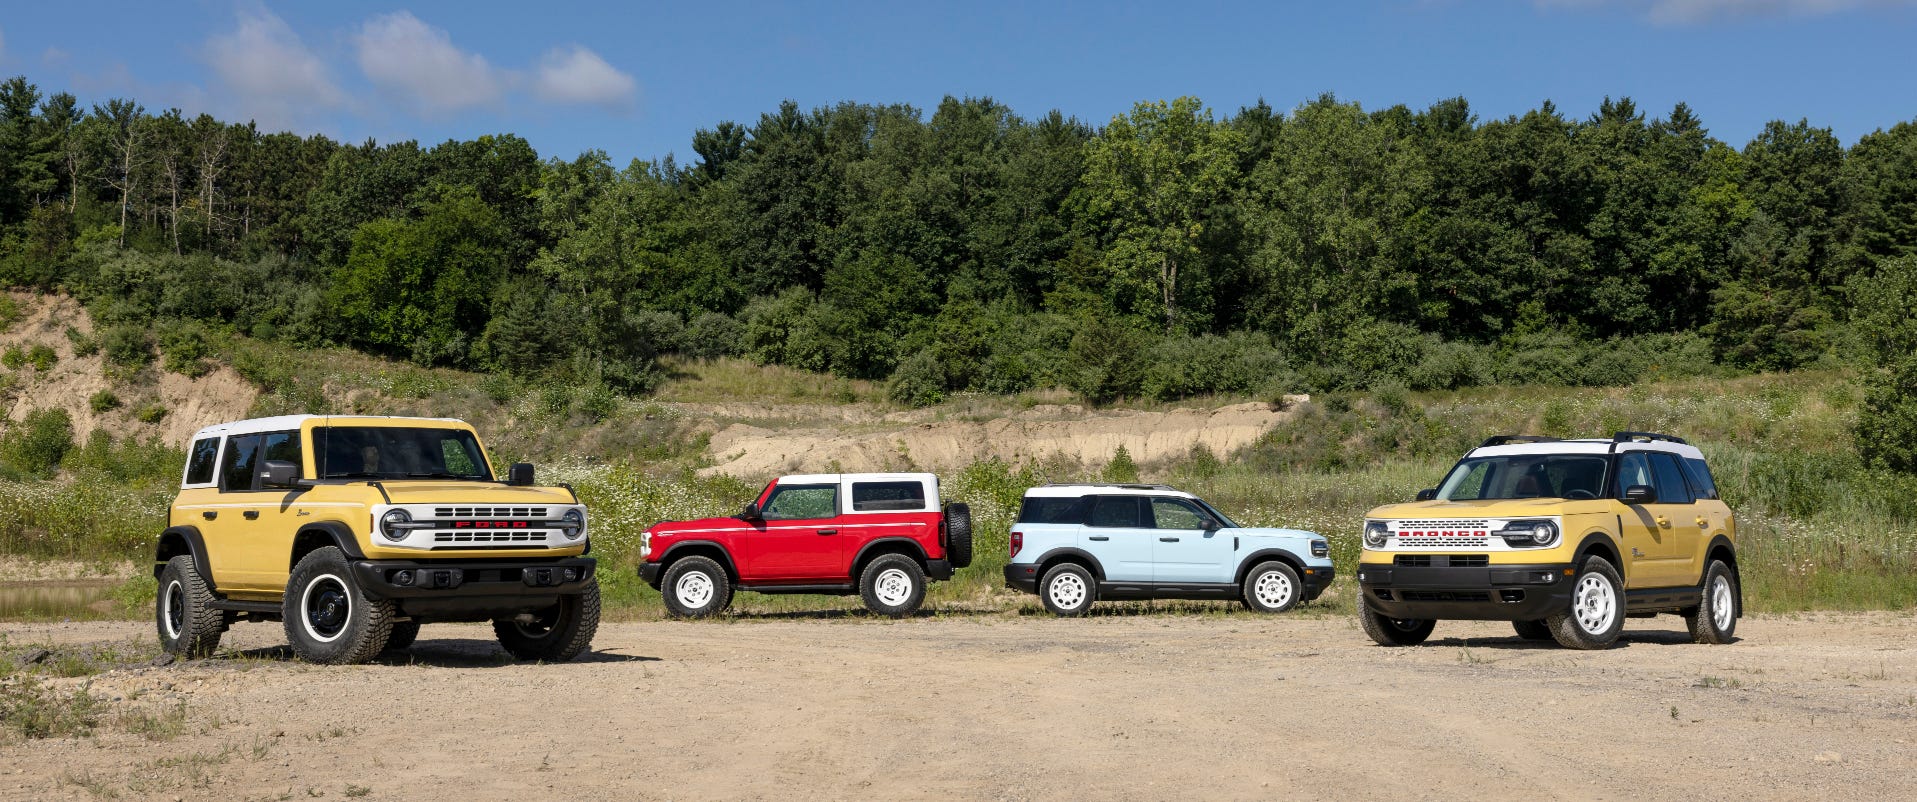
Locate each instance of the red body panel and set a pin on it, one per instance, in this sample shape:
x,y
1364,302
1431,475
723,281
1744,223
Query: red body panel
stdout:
x,y
800,551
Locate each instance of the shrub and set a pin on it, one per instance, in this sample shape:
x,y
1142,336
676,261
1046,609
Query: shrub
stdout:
x,y
1887,425
152,412
185,349
1121,468
919,381
34,446
9,312
1243,362
127,346
712,335
499,387
599,402
42,357
1106,362
14,358
83,345
103,401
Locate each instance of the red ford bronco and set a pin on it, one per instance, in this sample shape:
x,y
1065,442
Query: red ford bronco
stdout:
x,y
879,535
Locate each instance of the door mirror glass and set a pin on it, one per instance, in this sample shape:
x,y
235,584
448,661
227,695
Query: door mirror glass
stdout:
x,y
1427,494
751,511
520,474
1640,494
278,473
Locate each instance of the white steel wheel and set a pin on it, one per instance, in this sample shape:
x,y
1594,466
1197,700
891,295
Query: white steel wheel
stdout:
x,y
694,589
1066,591
894,587
173,609
326,605
1723,603
1594,604
1274,589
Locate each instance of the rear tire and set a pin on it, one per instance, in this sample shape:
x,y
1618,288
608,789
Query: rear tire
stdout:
x,y
696,587
958,534
893,585
327,619
1596,615
183,611
403,635
557,634
1271,587
1068,590
1388,631
1532,630
1714,619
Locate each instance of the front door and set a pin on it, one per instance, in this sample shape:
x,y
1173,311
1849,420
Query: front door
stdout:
x,y
798,539
1117,534
1185,550
1649,540
228,530
269,537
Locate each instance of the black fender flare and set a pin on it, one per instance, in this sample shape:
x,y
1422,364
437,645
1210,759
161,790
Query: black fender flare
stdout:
x,y
1282,555
916,551
177,540
725,556
1610,542
325,533
1723,542
1098,568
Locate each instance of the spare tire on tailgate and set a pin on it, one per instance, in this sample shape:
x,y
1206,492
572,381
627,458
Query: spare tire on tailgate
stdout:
x,y
958,534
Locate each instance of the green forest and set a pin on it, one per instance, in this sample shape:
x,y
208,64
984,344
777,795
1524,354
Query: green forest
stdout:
x,y
1168,252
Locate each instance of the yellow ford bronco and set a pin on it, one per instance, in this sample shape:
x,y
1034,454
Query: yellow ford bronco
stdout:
x,y
1563,538
354,531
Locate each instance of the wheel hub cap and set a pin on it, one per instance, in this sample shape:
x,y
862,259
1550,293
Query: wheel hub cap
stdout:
x,y
1272,589
893,587
1067,591
694,590
328,608
1722,603
1594,605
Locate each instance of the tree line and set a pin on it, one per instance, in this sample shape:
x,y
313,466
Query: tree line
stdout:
x,y
1166,253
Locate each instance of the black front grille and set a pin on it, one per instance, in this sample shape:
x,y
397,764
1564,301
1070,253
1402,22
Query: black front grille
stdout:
x,y
1470,560
1444,595
1414,560
1452,561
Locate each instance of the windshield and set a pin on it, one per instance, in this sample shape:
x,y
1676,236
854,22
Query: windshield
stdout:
x,y
388,452
1567,476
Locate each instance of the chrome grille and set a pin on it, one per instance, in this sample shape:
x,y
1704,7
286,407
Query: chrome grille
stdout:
x,y
489,512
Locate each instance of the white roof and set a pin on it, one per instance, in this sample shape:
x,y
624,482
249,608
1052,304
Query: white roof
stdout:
x,y
1591,446
835,478
281,423
1092,489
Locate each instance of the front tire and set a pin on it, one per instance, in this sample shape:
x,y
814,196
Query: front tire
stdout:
x,y
557,634
1068,590
327,619
183,611
1596,615
696,587
1714,619
1388,631
893,586
1271,587
402,636
1532,630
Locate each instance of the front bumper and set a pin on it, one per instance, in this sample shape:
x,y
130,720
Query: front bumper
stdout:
x,y
649,573
1482,593
1316,578
1022,576
463,579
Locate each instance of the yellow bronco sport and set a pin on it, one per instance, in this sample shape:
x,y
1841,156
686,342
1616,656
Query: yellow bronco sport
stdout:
x,y
1563,538
354,531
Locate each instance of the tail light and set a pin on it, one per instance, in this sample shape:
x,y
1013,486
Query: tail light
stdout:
x,y
1018,541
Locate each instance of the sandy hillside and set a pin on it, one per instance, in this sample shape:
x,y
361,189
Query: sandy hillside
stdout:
x,y
1009,707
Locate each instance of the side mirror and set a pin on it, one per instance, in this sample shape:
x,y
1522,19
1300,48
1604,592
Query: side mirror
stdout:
x,y
520,474
750,513
1427,494
1640,494
278,473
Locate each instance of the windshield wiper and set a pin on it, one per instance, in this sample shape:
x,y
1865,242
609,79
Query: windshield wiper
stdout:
x,y
355,475
440,475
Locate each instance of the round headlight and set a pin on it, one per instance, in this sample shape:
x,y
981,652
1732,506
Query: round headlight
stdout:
x,y
573,523
1544,533
389,524
1375,534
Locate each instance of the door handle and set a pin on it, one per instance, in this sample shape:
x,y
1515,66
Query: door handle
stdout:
x,y
1099,537
1168,540
210,514
1704,523
1664,522
251,515
828,531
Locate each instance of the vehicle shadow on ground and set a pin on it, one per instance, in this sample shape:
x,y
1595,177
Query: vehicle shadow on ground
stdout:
x,y
1624,641
855,614
446,653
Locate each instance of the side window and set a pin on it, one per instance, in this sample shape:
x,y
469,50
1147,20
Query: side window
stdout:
x,y
1701,478
238,466
1050,510
1171,513
284,447
882,496
1114,511
802,502
1669,477
1633,468
199,463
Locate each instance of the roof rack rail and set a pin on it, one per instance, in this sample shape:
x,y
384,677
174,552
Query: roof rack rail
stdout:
x,y
1646,437
1507,439
1125,485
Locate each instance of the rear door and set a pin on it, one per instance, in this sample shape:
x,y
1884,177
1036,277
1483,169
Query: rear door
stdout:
x,y
798,540
1117,533
1184,550
1680,518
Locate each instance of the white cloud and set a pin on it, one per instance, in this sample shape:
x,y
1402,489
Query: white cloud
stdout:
x,y
418,62
266,73
1692,11
577,75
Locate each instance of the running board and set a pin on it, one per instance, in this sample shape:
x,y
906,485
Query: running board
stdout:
x,y
823,590
237,606
1655,599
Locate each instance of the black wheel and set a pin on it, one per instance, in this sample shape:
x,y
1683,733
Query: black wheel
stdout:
x,y
327,618
1532,630
1068,590
183,611
892,585
696,587
1272,587
1714,619
958,534
402,635
557,634
1596,615
1388,631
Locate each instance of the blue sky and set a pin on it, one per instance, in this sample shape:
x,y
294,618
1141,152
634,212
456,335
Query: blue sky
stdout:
x,y
636,79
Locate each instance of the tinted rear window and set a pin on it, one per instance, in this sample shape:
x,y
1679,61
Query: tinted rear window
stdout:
x,y
199,466
1701,478
1115,511
881,496
1050,511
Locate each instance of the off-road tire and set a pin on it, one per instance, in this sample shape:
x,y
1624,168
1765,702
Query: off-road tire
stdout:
x,y
323,585
1532,630
717,585
1069,599
403,634
958,534
559,634
1271,587
1596,592
1714,619
1388,631
183,611
892,585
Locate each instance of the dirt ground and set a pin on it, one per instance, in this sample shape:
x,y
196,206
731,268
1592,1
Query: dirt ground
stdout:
x,y
1002,706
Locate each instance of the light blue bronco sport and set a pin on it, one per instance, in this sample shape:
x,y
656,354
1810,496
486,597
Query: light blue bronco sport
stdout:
x,y
1075,544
